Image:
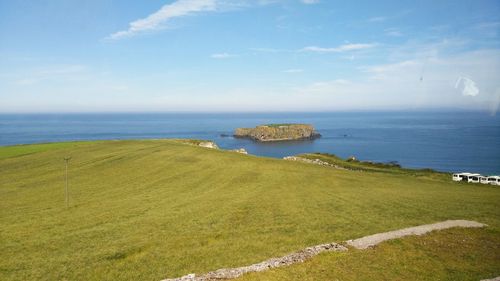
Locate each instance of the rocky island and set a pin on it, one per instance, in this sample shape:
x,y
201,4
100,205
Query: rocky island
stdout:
x,y
278,132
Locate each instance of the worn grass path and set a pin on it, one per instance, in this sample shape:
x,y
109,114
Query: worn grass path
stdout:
x,y
147,210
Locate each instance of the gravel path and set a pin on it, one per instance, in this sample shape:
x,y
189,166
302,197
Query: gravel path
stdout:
x,y
307,253
372,240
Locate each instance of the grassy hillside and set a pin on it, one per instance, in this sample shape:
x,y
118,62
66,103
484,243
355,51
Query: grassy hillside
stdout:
x,y
453,254
365,166
147,210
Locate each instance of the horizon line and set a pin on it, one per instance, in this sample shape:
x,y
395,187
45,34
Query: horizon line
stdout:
x,y
444,109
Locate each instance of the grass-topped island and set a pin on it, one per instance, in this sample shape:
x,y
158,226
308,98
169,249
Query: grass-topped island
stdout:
x,y
156,209
278,132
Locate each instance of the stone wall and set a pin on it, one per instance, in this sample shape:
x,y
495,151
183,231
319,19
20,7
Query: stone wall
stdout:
x,y
313,161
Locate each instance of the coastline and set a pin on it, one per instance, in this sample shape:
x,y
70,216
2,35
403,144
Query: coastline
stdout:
x,y
311,158
127,199
416,140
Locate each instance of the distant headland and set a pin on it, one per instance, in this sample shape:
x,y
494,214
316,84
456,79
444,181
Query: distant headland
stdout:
x,y
278,132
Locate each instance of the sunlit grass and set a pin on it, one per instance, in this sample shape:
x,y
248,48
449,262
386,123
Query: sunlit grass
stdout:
x,y
147,210
453,254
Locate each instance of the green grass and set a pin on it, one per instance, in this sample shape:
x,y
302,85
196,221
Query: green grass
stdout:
x,y
147,210
365,166
190,141
281,124
453,254
18,150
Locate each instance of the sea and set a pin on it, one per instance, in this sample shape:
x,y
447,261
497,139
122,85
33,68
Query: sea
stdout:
x,y
444,141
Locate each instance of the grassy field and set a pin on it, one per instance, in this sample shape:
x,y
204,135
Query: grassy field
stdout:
x,y
18,150
454,254
357,165
147,210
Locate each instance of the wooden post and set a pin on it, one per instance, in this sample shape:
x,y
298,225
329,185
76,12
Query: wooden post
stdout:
x,y
66,192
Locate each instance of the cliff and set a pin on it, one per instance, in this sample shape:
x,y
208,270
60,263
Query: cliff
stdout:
x,y
278,132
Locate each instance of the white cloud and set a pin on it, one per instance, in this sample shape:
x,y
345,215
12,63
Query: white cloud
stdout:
x,y
487,29
417,83
377,19
158,19
468,86
309,2
55,73
180,8
293,70
342,48
222,56
394,32
270,50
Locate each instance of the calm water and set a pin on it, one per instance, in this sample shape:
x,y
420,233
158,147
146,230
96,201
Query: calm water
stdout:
x,y
458,141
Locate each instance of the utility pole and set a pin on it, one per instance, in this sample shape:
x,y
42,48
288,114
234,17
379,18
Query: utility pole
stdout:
x,y
66,160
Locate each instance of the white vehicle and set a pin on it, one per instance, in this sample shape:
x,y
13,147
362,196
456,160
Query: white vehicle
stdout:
x,y
474,178
484,180
494,180
460,176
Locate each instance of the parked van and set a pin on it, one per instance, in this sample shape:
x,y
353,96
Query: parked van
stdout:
x,y
476,178
473,178
483,180
494,180
461,176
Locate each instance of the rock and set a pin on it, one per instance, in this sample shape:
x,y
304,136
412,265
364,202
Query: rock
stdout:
x,y
189,277
240,150
307,253
278,132
208,144
313,161
351,159
230,273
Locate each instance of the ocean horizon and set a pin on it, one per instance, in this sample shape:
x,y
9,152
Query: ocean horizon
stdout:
x,y
451,141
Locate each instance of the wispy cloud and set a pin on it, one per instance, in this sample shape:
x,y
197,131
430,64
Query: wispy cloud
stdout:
x,y
270,50
380,19
341,48
181,8
222,56
316,49
158,19
394,32
487,29
57,73
467,85
377,19
293,70
309,2
444,79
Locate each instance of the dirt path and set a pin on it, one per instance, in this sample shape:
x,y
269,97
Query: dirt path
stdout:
x,y
307,253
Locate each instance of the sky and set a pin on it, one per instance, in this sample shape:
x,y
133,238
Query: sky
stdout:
x,y
248,55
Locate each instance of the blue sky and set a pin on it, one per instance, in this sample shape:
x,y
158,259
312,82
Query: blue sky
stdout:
x,y
248,55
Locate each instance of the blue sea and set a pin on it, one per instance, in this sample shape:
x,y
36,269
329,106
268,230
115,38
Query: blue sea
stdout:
x,y
445,141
